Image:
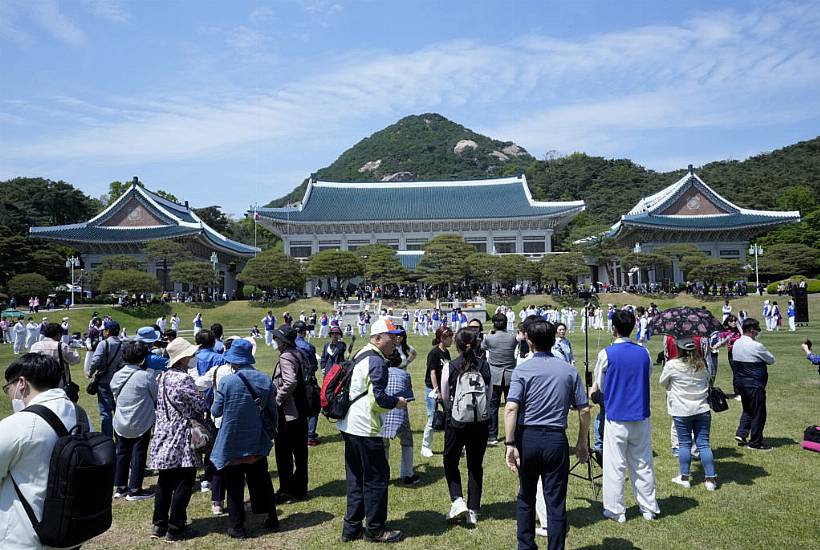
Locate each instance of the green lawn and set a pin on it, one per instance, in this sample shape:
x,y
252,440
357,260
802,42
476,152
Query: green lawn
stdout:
x,y
763,500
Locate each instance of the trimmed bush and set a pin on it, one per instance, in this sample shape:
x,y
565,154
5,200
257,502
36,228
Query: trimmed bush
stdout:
x,y
812,285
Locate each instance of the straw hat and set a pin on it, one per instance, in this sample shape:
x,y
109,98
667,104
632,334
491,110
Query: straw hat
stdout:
x,y
180,348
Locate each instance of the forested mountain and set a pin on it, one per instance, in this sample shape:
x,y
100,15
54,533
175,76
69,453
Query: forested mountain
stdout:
x,y
423,147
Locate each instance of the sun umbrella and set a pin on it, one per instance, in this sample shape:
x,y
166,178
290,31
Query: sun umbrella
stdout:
x,y
685,321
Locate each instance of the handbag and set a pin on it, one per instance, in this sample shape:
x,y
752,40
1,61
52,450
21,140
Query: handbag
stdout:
x,y
71,389
94,386
717,399
439,418
268,420
203,430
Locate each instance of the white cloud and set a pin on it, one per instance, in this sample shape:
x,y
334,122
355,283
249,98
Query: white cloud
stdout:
x,y
16,15
594,93
110,10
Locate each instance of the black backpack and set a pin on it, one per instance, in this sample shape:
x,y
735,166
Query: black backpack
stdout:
x,y
77,505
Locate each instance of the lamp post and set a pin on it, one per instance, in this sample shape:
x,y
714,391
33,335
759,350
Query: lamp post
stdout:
x,y
71,263
214,261
756,250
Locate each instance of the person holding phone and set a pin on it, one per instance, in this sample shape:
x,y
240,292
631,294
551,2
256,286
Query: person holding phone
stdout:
x,y
813,357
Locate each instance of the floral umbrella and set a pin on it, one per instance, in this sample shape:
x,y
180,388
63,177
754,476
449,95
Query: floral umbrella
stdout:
x,y
684,321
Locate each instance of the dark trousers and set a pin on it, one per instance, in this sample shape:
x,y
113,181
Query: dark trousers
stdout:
x,y
753,418
131,455
174,488
106,405
260,489
735,389
544,454
367,473
474,438
495,402
292,456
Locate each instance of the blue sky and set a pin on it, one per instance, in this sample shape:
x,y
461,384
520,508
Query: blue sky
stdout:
x,y
234,102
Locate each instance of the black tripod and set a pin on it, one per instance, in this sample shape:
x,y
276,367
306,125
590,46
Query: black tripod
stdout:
x,y
588,472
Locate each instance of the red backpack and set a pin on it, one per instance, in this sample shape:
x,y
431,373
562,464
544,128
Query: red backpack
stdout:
x,y
335,394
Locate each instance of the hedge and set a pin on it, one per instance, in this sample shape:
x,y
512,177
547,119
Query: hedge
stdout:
x,y
812,285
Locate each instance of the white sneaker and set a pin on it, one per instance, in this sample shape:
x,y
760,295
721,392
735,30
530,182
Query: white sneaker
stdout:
x,y
682,482
738,398
204,486
541,532
217,509
426,452
472,518
710,485
457,511
620,518
648,516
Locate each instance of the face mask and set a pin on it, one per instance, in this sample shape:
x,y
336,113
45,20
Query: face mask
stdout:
x,y
17,404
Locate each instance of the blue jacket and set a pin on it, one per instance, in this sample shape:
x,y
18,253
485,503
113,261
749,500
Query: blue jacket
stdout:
x,y
241,433
309,352
207,358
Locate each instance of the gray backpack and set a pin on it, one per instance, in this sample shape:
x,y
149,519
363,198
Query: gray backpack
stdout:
x,y
469,399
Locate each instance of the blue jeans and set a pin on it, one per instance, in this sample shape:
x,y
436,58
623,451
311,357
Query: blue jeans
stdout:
x,y
598,440
430,402
700,424
105,402
313,421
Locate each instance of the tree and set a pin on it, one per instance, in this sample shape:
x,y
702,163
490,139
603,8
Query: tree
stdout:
x,y
564,268
645,260
215,218
806,232
116,189
119,263
381,264
50,264
166,253
797,197
716,271
242,231
272,269
130,281
482,267
444,260
602,249
689,264
194,273
783,260
166,195
339,265
26,285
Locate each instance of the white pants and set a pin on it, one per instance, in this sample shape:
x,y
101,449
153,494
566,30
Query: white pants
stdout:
x,y
792,326
19,343
423,329
629,445
268,337
323,329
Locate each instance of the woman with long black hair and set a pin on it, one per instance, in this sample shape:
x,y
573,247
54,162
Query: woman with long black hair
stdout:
x,y
436,359
466,391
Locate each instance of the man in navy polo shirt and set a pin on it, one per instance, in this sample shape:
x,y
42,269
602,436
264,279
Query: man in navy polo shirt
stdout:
x,y
622,374
542,390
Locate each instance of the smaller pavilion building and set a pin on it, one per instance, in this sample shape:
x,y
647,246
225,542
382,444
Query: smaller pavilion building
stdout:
x,y
688,212
139,216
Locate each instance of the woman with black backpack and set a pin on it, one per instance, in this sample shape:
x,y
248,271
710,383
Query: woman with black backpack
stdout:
x,y
466,391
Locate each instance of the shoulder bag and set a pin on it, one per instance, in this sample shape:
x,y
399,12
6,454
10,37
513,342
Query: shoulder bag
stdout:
x,y
268,420
72,390
716,398
203,430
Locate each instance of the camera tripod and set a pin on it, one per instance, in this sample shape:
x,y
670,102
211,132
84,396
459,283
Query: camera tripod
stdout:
x,y
588,469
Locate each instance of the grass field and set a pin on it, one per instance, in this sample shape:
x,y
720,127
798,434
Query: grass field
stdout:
x,y
766,500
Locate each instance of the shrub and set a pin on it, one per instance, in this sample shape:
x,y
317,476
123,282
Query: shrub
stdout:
x,y
812,285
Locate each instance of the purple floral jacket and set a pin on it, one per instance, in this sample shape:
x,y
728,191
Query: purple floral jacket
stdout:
x,y
171,446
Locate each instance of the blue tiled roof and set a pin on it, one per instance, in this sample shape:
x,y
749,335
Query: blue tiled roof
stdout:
x,y
503,198
694,223
410,259
168,211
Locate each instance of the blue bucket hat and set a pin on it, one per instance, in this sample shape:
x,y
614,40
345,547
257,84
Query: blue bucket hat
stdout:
x,y
240,353
147,335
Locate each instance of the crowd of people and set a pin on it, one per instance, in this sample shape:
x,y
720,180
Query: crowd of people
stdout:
x,y
155,389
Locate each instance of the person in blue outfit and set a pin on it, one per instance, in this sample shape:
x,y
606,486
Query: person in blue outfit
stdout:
x,y
812,357
542,390
207,357
244,440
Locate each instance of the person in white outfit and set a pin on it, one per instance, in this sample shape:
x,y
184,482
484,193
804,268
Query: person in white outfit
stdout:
x,y
175,323
26,444
32,333
18,334
622,375
727,310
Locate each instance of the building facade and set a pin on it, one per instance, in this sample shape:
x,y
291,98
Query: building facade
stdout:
x,y
687,212
497,216
140,216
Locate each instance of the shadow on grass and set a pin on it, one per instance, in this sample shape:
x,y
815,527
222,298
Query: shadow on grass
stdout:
x,y
739,472
335,488
611,543
419,523
779,441
673,505
428,473
499,510
301,520
726,452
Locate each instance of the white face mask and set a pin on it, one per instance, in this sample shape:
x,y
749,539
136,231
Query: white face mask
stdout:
x,y
17,404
